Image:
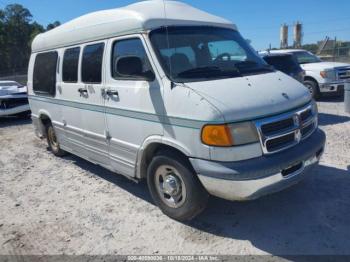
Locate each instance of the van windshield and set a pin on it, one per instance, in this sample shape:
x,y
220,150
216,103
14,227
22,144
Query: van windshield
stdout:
x,y
198,53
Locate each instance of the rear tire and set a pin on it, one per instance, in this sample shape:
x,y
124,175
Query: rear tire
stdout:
x,y
175,188
313,88
52,141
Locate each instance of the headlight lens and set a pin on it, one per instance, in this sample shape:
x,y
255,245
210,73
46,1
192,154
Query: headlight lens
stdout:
x,y
244,133
328,74
230,135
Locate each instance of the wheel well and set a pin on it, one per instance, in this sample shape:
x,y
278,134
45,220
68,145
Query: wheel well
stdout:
x,y
309,78
44,122
155,149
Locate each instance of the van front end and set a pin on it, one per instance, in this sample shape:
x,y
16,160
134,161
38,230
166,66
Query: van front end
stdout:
x,y
291,143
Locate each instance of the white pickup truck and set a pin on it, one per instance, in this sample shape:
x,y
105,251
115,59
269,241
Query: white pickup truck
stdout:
x,y
321,77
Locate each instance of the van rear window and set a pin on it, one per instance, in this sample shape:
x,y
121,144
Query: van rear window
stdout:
x,y
70,65
91,71
44,77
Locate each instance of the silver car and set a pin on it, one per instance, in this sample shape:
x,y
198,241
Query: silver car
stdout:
x,y
13,99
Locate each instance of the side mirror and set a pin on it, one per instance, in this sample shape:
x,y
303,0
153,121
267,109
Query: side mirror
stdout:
x,y
132,67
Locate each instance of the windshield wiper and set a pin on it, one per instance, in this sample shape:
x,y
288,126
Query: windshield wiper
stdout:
x,y
210,71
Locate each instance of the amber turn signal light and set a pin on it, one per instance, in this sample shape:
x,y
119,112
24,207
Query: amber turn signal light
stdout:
x,y
217,135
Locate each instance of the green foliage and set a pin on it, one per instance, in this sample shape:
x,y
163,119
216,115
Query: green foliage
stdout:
x,y
311,47
53,25
17,31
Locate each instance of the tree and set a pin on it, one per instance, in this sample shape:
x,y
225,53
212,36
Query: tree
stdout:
x,y
53,25
17,32
36,29
2,42
311,47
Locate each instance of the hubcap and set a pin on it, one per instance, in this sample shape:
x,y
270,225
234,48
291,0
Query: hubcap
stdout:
x,y
311,90
170,186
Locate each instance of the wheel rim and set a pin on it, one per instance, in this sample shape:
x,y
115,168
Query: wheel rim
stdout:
x,y
311,89
52,139
170,186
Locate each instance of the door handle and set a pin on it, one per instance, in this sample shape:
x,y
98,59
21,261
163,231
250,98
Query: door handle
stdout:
x,y
82,90
112,93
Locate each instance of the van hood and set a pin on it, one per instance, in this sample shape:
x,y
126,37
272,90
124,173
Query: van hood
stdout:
x,y
253,97
323,66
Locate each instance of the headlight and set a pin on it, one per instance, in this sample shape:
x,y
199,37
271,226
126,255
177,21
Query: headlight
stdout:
x,y
328,74
230,135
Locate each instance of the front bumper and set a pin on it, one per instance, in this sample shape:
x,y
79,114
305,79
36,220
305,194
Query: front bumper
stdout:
x,y
251,179
334,87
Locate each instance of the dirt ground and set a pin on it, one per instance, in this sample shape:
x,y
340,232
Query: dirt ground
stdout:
x,y
53,206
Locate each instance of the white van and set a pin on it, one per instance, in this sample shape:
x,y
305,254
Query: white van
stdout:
x,y
181,101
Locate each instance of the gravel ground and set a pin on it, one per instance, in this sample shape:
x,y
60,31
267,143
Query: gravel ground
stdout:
x,y
54,206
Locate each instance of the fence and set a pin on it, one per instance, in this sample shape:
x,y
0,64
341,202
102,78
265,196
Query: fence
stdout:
x,y
338,54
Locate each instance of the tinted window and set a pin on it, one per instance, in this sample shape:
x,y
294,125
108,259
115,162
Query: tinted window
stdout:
x,y
44,77
129,47
91,70
286,64
70,65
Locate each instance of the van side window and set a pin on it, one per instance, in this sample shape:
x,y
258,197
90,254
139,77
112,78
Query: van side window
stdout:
x,y
91,70
70,65
44,76
129,47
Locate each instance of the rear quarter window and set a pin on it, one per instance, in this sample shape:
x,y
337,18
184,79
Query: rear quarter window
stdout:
x,y
44,76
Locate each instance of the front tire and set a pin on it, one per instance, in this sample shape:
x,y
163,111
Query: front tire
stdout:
x,y
313,88
52,141
174,187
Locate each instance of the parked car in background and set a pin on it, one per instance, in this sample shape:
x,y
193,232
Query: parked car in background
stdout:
x,y
285,63
13,99
320,77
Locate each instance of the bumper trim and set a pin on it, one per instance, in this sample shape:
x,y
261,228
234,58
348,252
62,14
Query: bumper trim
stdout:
x,y
251,179
263,166
253,189
337,87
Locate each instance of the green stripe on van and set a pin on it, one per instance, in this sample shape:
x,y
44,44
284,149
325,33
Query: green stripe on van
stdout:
x,y
156,118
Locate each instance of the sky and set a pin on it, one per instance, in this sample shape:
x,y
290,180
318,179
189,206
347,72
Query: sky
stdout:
x,y
257,20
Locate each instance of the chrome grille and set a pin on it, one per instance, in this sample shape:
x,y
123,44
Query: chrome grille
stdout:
x,y
344,73
284,131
